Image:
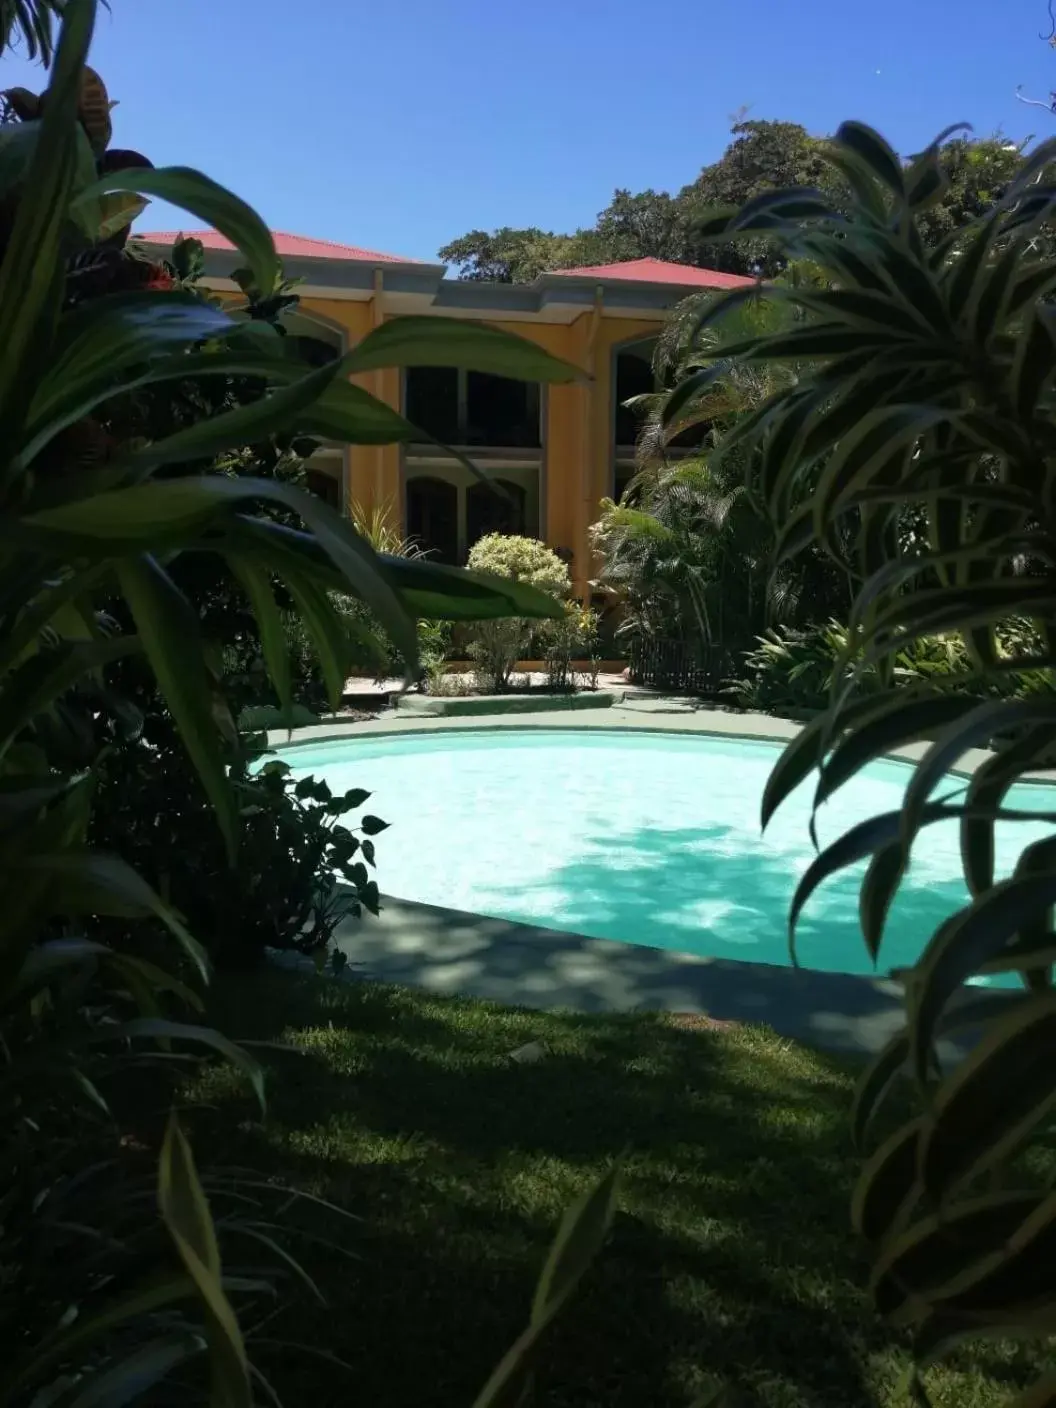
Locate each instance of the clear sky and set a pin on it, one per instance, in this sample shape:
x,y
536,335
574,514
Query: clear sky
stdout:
x,y
400,124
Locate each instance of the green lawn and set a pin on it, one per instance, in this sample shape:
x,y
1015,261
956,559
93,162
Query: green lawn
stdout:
x,y
730,1257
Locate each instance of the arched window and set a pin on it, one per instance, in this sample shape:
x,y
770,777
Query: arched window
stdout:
x,y
325,486
634,377
488,512
432,516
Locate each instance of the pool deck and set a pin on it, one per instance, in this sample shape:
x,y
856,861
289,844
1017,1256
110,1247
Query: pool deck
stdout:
x,y
447,951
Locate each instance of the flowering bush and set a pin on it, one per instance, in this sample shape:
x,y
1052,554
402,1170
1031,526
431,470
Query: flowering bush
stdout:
x,y
496,646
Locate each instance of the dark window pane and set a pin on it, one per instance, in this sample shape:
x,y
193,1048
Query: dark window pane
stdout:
x,y
432,517
313,350
432,401
500,411
695,437
325,486
634,377
486,512
624,475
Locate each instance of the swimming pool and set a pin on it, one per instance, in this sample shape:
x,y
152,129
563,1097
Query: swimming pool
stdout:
x,y
645,837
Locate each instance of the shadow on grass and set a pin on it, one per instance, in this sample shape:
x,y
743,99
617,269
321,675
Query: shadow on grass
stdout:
x,y
731,1257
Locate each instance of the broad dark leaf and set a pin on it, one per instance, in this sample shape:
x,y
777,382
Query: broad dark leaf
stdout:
x,y
995,1098
209,201
454,342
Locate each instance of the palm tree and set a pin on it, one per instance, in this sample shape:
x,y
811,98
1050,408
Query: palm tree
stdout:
x,y
686,550
32,21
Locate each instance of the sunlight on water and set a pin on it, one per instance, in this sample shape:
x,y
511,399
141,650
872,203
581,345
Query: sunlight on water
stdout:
x,y
649,838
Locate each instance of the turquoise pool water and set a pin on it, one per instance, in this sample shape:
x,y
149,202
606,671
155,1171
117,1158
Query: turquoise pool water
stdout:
x,y
649,838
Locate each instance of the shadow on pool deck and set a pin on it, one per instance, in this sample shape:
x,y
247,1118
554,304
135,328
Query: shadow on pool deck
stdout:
x,y
450,952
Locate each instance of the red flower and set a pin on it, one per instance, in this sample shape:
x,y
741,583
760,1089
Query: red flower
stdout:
x,y
159,277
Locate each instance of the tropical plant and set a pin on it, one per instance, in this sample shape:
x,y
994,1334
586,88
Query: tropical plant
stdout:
x,y
302,865
791,669
931,389
32,22
572,638
496,646
100,515
686,551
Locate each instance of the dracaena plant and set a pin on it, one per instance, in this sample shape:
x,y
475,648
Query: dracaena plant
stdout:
x,y
926,398
31,22
95,521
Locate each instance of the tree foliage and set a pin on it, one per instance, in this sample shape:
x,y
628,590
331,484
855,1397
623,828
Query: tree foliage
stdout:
x,y
763,155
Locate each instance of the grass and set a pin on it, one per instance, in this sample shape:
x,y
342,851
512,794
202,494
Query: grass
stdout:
x,y
730,1260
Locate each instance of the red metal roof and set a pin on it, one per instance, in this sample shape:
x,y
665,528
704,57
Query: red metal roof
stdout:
x,y
659,271
289,246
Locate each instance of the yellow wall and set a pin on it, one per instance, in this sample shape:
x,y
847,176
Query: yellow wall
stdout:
x,y
578,427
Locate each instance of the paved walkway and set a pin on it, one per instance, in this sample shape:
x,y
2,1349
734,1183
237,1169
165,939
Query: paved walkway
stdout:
x,y
447,951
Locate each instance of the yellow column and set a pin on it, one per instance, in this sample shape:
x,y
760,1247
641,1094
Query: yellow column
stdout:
x,y
374,470
567,409
595,450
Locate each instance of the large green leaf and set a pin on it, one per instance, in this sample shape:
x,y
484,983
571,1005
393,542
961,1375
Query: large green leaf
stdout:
x,y
172,643
49,673
325,630
185,1213
890,724
274,642
579,1240
95,344
414,341
980,932
995,1098
973,729
888,1189
155,1294
135,1374
428,590
283,410
31,271
854,845
87,882
892,1060
919,1262
209,201
804,753
163,1031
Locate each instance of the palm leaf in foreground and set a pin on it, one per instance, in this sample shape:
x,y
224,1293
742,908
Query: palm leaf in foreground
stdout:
x,y
927,390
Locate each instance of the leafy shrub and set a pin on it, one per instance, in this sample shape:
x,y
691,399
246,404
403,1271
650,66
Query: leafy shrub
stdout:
x,y
796,670
573,637
299,870
928,394
496,646
791,669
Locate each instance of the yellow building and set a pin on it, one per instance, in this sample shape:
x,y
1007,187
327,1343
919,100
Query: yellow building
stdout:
x,y
556,450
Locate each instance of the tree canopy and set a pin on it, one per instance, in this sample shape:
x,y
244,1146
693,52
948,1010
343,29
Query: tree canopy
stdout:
x,y
762,155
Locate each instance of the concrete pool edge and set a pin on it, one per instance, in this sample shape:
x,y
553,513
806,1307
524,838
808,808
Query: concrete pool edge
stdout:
x,y
457,954
659,715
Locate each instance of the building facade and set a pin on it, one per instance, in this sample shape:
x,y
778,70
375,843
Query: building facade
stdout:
x,y
557,451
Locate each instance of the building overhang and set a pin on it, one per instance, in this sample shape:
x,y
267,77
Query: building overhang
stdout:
x,y
423,288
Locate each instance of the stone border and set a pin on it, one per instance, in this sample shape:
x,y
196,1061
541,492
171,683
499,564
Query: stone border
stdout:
x,y
629,710
425,706
452,953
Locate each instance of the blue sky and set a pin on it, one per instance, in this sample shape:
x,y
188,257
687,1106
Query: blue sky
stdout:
x,y
399,124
